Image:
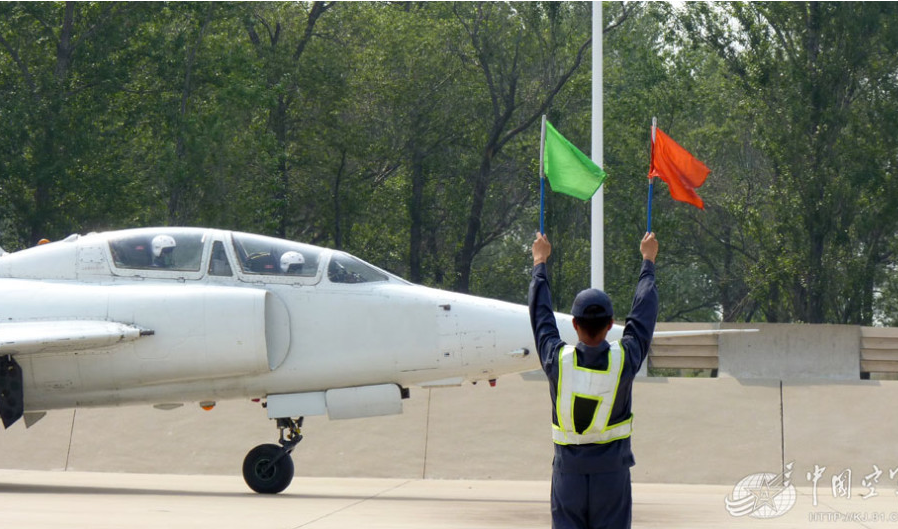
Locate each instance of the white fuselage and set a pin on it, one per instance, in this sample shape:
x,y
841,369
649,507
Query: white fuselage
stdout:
x,y
219,329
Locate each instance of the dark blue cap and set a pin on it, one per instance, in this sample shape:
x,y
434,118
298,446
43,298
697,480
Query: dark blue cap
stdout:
x,y
592,303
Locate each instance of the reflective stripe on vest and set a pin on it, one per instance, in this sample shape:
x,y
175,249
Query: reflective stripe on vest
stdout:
x,y
599,386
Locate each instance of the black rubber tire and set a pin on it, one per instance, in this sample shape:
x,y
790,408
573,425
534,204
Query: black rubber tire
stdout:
x,y
276,478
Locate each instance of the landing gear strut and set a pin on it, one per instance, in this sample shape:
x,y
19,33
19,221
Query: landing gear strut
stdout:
x,y
268,468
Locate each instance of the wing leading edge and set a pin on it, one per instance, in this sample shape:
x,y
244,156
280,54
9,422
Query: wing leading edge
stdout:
x,y
31,337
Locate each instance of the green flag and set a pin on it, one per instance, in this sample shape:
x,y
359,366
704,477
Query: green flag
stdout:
x,y
570,171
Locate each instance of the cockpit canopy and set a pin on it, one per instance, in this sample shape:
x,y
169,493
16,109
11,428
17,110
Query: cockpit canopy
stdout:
x,y
189,253
266,255
269,256
146,250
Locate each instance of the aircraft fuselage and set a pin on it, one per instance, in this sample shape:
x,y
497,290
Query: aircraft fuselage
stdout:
x,y
233,315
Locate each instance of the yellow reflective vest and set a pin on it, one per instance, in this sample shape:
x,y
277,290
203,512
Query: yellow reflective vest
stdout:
x,y
600,386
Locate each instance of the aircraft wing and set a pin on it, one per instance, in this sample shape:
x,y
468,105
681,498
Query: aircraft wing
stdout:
x,y
706,332
30,337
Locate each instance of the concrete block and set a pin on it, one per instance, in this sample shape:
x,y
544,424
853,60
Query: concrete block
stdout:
x,y
791,352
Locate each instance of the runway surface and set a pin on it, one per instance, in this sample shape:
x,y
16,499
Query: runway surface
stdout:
x,y
47,499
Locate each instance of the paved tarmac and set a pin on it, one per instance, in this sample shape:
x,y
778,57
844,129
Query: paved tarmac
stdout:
x,y
47,499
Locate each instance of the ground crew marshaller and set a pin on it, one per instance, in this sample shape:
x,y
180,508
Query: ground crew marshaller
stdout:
x,y
590,385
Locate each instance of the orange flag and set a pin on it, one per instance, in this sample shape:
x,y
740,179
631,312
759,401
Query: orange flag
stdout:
x,y
682,171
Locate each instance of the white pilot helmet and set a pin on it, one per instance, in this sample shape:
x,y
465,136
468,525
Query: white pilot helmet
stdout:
x,y
289,259
161,243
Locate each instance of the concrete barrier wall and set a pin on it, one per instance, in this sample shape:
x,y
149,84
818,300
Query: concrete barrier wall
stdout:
x,y
712,431
791,352
782,351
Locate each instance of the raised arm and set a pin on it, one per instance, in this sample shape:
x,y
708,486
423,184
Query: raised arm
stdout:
x,y
542,317
641,320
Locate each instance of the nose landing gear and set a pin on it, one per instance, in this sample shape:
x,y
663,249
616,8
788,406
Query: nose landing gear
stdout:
x,y
268,468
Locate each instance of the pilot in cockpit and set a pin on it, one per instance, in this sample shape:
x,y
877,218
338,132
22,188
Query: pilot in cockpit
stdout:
x,y
163,246
292,262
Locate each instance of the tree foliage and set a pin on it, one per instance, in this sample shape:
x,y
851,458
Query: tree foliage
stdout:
x,y
407,133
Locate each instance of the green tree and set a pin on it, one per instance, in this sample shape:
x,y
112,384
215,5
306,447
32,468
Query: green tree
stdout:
x,y
59,64
281,34
521,57
415,91
815,71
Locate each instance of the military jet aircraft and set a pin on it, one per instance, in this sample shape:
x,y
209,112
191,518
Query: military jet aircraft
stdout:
x,y
164,316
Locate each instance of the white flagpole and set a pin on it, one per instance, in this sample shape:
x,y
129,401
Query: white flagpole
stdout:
x,y
597,253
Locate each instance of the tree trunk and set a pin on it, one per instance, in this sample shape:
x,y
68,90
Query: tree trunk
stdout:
x,y
177,207
465,257
415,212
338,212
49,159
282,184
728,303
64,47
278,114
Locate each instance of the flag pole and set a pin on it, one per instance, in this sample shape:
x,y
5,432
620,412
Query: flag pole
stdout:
x,y
651,178
542,177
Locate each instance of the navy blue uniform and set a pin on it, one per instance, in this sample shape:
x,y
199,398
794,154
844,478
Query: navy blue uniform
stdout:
x,y
591,482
